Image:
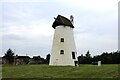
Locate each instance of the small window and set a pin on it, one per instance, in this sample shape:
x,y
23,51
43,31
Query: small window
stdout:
x,y
62,40
73,55
61,51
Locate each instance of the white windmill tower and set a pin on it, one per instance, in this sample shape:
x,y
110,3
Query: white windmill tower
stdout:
x,y
63,51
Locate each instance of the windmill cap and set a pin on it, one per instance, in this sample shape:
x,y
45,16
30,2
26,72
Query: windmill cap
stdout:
x,y
61,20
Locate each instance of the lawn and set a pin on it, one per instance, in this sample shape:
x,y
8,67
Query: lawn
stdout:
x,y
45,71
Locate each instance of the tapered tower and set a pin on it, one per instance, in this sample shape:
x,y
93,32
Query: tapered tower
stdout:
x,y
63,51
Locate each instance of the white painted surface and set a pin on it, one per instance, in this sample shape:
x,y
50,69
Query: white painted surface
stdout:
x,y
99,63
57,59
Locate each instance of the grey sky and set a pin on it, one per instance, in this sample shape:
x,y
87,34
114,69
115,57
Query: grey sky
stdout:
x,y
27,25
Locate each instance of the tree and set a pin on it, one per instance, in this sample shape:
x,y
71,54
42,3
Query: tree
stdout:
x,y
47,58
108,58
88,54
9,56
87,59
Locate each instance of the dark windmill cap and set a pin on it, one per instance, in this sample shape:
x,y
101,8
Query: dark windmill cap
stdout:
x,y
61,20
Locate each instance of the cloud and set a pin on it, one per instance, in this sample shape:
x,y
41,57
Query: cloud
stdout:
x,y
92,5
27,26
40,45
20,13
95,43
33,30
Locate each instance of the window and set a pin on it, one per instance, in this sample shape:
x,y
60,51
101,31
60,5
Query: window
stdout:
x,y
73,55
61,51
62,40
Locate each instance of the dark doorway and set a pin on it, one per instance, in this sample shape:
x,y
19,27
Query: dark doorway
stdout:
x,y
73,55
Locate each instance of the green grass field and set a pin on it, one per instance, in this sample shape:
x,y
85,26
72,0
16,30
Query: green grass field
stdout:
x,y
45,71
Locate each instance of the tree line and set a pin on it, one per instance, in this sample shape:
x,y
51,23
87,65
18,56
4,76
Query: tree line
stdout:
x,y
11,58
105,58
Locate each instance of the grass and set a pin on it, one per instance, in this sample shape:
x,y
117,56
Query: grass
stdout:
x,y
45,71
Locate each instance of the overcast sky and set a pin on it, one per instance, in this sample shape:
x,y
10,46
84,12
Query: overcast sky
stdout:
x,y
27,25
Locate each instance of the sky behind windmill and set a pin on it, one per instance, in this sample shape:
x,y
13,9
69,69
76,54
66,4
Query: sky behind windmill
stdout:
x,y
27,25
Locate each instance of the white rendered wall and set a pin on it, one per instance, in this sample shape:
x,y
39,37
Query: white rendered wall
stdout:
x,y
99,63
68,46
